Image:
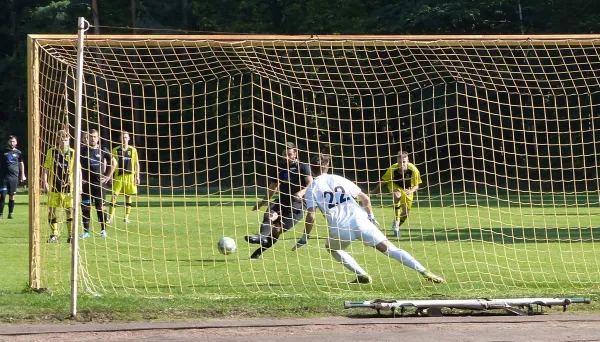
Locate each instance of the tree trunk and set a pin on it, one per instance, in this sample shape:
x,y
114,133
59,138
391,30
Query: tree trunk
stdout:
x,y
133,15
13,24
95,16
184,13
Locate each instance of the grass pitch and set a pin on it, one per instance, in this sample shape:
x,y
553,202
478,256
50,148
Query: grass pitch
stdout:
x,y
165,264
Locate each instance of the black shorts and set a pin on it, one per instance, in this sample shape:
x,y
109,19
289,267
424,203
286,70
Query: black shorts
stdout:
x,y
92,192
9,184
289,214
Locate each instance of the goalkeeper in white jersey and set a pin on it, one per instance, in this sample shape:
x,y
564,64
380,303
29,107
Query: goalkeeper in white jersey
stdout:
x,y
347,221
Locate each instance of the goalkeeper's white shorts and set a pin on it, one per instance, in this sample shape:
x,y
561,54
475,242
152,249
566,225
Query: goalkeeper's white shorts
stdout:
x,y
359,229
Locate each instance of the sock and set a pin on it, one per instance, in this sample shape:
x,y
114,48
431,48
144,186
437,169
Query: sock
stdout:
x,y
397,210
402,219
348,261
85,217
2,198
11,206
102,218
53,224
128,207
265,229
69,223
111,207
405,258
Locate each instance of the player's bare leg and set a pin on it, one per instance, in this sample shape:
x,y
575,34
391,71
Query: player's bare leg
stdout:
x,y
408,260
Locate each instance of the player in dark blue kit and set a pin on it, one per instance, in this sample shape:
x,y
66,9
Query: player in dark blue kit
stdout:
x,y
95,161
292,179
12,170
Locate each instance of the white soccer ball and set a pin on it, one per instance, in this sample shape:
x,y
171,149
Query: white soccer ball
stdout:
x,y
227,245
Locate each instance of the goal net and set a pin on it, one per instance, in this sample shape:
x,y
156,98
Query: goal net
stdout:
x,y
502,130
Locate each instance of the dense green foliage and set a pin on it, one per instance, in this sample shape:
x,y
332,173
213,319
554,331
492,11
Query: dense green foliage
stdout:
x,y
310,17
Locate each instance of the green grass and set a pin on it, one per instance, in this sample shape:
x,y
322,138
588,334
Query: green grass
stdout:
x,y
166,265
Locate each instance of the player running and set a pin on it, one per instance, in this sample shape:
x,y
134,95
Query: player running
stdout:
x,y
402,179
292,179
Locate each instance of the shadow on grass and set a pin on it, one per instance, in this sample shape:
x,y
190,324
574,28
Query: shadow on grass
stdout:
x,y
502,235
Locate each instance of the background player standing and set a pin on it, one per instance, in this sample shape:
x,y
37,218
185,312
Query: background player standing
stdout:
x,y
95,160
12,170
127,176
57,180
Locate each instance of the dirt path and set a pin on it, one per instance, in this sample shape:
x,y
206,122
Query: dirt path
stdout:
x,y
547,328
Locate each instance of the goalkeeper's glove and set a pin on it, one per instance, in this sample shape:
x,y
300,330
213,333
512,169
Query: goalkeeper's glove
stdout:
x,y
373,219
303,241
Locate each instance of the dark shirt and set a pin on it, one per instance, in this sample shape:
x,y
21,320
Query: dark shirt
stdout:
x,y
9,163
291,178
403,180
92,160
60,166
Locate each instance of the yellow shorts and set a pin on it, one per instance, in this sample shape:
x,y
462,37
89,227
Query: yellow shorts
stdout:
x,y
60,200
404,198
125,183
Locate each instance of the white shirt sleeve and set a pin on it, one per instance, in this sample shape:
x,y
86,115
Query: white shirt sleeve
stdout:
x,y
309,197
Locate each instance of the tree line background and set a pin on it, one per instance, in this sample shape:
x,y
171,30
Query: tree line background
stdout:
x,y
306,17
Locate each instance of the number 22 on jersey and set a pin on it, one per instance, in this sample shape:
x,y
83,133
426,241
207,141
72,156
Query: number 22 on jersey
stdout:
x,y
338,196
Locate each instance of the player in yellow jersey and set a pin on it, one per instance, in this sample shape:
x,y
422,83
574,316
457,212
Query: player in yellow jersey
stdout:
x,y
127,176
402,179
57,181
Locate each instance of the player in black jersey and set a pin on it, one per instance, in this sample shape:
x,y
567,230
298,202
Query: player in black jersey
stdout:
x,y
95,162
292,178
12,170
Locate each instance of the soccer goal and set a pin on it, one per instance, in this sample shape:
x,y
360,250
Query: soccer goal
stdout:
x,y
503,129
